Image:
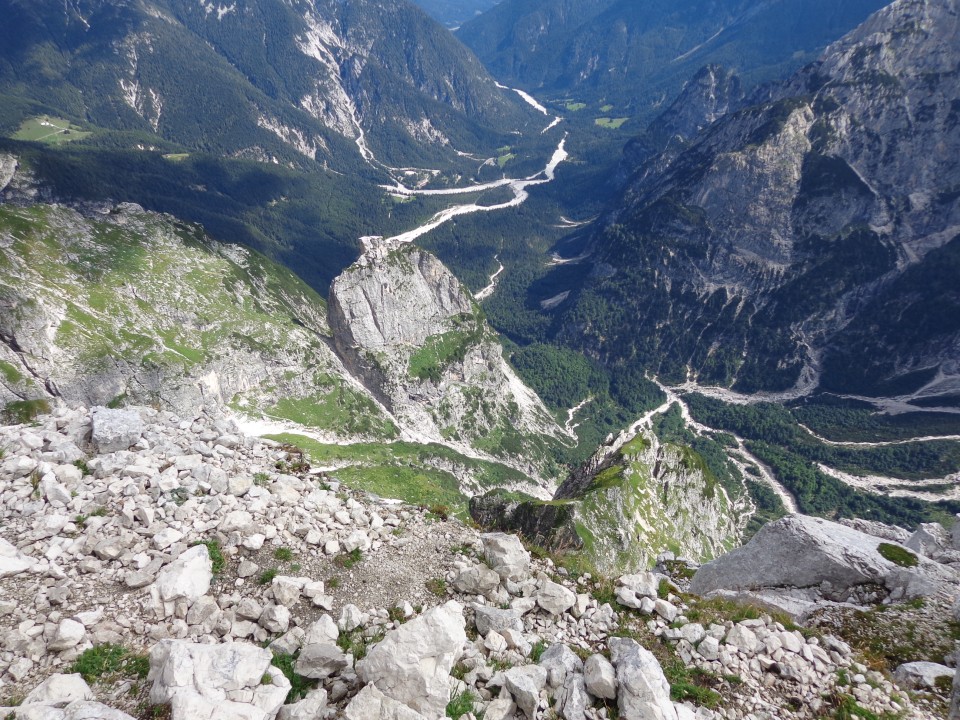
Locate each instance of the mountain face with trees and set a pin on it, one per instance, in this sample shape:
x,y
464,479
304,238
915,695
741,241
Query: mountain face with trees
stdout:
x,y
312,80
597,49
812,230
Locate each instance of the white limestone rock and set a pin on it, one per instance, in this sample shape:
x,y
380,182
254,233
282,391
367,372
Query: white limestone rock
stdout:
x,y
643,691
216,681
412,664
188,576
59,689
506,556
525,683
371,704
115,430
600,677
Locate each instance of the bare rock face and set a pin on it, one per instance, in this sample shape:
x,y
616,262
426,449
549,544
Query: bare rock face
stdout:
x,y
404,324
801,552
215,681
412,664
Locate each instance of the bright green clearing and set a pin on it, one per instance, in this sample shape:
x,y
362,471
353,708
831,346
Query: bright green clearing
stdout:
x,y
405,471
575,106
176,157
504,159
610,123
50,130
606,108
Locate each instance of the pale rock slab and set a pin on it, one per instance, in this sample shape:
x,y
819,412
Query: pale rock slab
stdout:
x,y
506,556
115,430
187,577
371,704
412,664
644,693
215,681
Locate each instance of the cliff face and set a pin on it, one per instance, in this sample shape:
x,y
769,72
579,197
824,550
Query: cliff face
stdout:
x,y
631,502
747,256
122,306
405,325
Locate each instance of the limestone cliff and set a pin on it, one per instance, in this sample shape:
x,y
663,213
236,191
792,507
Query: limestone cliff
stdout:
x,y
813,224
633,500
404,324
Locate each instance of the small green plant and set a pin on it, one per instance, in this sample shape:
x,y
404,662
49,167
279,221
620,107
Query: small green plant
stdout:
x,y
267,679
691,684
539,648
846,707
461,704
218,561
664,589
98,512
82,466
299,685
295,568
333,583
21,412
356,644
261,479
102,661
81,520
438,586
348,560
842,678
440,511
267,576
283,554
396,614
897,555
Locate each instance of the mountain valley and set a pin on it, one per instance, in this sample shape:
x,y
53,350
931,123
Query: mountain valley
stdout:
x,y
608,372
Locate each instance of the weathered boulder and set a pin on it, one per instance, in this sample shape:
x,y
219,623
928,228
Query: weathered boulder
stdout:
x,y
69,634
572,699
476,580
371,704
632,589
600,677
921,675
506,556
115,430
489,618
555,598
310,708
799,551
12,561
644,693
188,576
929,539
59,689
76,710
412,664
216,681
525,683
559,661
321,660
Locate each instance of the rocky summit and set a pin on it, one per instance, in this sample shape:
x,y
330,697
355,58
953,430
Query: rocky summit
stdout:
x,y
153,564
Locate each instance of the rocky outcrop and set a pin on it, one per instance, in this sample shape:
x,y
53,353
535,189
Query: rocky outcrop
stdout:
x,y
143,309
406,325
805,227
798,562
624,507
118,562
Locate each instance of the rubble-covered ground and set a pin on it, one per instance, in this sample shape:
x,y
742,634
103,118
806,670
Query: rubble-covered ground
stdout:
x,y
159,566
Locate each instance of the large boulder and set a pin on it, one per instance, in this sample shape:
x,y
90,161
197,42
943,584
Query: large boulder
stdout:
x,y
644,693
188,576
921,675
371,704
12,561
506,556
799,551
59,689
115,430
229,681
412,664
